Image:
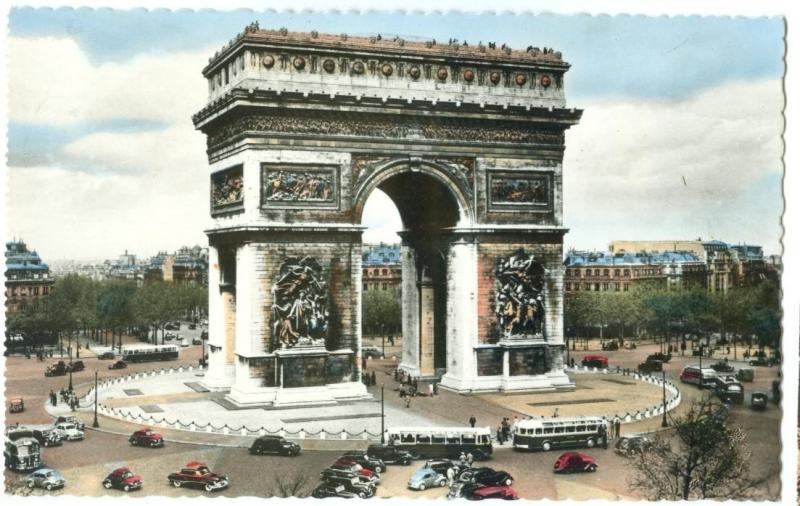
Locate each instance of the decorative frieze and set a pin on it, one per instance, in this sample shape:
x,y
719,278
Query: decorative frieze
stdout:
x,y
226,191
513,191
519,296
300,304
293,185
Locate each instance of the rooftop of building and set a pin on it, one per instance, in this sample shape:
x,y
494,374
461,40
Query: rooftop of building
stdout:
x,y
604,258
380,254
20,258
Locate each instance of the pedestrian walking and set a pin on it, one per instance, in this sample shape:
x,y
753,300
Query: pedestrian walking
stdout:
x,y
373,379
408,401
472,421
436,388
451,474
470,458
617,427
555,413
363,362
430,389
500,435
391,340
462,459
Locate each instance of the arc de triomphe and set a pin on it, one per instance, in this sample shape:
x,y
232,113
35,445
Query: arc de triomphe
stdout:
x,y
467,141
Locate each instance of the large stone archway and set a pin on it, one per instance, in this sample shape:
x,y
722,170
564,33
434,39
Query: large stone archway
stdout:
x,y
468,142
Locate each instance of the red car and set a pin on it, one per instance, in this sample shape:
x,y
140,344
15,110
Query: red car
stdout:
x,y
571,462
146,437
197,474
493,492
124,479
598,361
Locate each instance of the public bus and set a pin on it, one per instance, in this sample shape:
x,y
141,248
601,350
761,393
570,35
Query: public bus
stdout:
x,y
547,433
150,353
442,442
22,451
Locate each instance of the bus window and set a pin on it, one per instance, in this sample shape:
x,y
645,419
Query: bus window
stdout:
x,y
569,428
426,439
592,428
548,430
581,428
538,430
484,439
407,438
468,439
559,430
438,439
454,440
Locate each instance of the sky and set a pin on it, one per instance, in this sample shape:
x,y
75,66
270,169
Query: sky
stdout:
x,y
680,137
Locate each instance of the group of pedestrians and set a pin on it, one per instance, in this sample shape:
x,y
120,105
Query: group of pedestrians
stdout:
x,y
369,379
504,431
67,396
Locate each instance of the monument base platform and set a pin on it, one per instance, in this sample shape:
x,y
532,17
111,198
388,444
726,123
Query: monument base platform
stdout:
x,y
276,397
548,382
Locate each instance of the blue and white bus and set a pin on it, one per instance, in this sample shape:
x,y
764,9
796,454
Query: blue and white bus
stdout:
x,y
150,353
548,433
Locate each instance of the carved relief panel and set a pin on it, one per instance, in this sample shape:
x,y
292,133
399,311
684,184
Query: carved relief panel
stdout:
x,y
519,296
515,191
299,186
227,194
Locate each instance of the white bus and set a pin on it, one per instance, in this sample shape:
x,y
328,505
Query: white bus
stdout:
x,y
442,442
547,433
150,353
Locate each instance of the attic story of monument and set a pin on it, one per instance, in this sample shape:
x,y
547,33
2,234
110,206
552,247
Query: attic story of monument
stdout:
x,y
467,141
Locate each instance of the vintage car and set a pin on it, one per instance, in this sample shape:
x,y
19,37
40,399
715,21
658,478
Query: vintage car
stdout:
x,y
71,419
759,400
76,366
477,492
442,465
16,405
486,476
47,435
169,336
762,361
146,437
350,470
598,361
661,357
173,326
123,479
119,364
389,454
57,369
70,431
360,457
610,346
631,444
106,355
722,366
426,478
650,366
730,392
325,490
197,474
572,462
371,352
192,326
274,445
745,374
45,478
197,340
352,484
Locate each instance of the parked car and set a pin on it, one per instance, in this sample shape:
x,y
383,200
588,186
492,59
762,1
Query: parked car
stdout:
x,y
348,470
486,476
119,364
360,457
45,478
352,484
389,454
730,392
106,355
762,362
571,462
745,374
172,326
492,492
48,436
759,400
325,490
610,346
598,361
70,431
169,336
197,340
57,369
371,351
146,437
124,479
71,419
722,366
426,478
650,366
192,326
631,444
441,466
274,445
661,357
16,405
197,474
76,366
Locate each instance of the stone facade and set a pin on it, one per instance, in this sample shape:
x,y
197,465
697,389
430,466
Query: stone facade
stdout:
x,y
468,142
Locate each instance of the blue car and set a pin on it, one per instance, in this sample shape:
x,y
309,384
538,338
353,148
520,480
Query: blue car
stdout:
x,y
426,478
45,478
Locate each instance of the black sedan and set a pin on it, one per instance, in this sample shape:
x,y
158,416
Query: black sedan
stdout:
x,y
324,490
367,462
486,476
722,366
119,364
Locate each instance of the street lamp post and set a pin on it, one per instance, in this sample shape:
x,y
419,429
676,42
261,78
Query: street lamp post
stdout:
x,y
383,437
95,423
69,351
664,396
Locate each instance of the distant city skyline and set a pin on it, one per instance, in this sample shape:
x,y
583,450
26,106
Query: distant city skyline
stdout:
x,y
680,138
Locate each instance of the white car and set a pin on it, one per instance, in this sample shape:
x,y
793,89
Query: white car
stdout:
x,y
70,431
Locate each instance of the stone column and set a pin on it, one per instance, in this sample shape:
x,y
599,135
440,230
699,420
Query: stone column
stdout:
x,y
248,323
462,315
426,327
410,303
218,375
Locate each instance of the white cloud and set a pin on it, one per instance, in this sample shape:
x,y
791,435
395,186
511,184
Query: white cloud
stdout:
x,y
626,162
381,216
52,81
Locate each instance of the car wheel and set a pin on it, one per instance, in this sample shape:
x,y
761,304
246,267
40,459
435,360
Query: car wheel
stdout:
x,y
126,488
176,483
406,462
590,442
209,488
592,468
546,446
414,454
362,495
30,484
106,484
379,469
442,483
422,486
508,481
49,487
133,442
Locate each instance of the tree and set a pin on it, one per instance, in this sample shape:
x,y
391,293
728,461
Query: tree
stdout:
x,y
701,457
380,310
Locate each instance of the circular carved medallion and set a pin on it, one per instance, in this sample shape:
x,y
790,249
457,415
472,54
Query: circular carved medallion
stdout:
x,y
299,63
329,65
469,75
268,61
441,73
358,68
521,79
386,69
494,77
545,81
414,72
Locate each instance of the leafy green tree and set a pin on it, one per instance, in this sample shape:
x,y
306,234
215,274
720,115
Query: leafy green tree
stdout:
x,y
115,306
380,310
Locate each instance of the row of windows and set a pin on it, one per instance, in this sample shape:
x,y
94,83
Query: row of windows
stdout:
x,y
22,291
382,286
596,287
378,272
605,272
565,429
